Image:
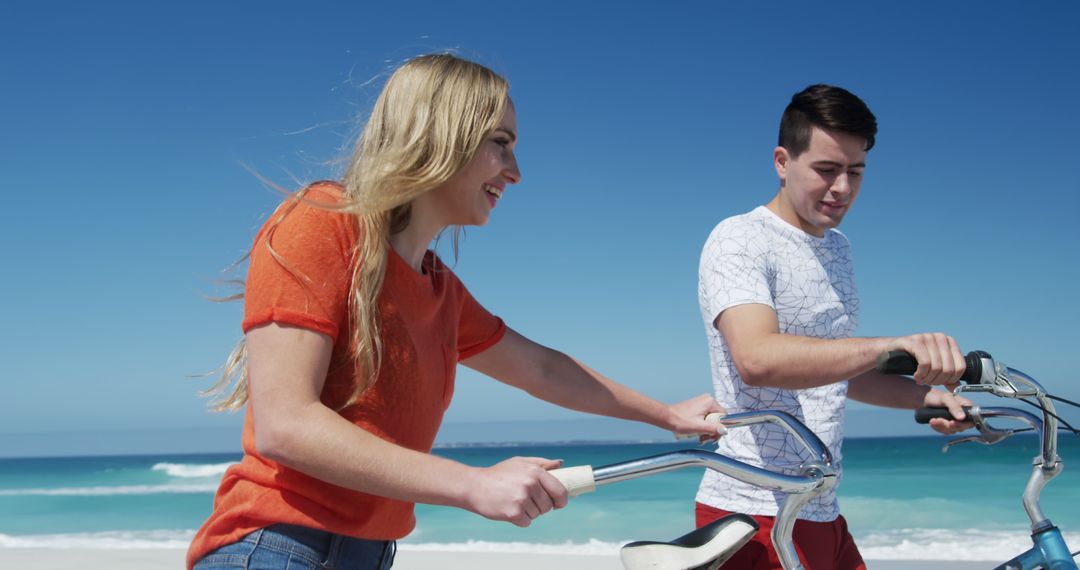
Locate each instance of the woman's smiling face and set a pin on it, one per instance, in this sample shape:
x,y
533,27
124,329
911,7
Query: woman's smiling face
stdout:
x,y
469,197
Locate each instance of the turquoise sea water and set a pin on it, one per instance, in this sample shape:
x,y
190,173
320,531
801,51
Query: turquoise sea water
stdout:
x,y
902,497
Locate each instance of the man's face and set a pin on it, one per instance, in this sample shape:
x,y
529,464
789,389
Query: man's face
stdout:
x,y
819,186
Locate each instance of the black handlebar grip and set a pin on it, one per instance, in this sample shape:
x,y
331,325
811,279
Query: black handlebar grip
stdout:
x,y
896,362
924,415
900,362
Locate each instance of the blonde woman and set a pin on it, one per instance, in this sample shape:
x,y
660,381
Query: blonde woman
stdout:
x,y
352,332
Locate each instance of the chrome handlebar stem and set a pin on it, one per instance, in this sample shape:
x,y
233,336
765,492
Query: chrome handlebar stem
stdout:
x,y
1011,383
1050,421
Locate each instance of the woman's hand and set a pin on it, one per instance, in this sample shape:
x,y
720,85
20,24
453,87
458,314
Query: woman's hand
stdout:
x,y
688,417
517,490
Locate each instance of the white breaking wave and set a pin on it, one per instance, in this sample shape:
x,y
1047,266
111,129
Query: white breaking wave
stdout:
x,y
105,491
911,544
112,540
592,547
945,544
193,470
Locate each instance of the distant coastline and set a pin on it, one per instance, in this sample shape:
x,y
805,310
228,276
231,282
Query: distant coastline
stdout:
x,y
861,423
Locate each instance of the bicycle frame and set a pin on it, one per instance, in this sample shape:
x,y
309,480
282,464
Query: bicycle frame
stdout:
x,y
1050,551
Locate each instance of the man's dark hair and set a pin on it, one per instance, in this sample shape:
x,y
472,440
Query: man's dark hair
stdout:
x,y
827,107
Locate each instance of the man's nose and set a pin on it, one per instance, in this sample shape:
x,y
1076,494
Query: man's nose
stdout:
x,y
841,184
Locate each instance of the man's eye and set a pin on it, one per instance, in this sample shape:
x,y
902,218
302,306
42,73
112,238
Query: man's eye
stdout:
x,y
855,173
826,170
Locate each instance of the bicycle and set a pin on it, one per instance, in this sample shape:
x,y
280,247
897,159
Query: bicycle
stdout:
x,y
983,375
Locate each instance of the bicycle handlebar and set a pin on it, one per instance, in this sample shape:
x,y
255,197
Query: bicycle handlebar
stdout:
x,y
924,415
815,476
584,479
983,375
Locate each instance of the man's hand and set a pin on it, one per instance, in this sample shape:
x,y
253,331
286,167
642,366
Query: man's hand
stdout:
x,y
940,360
945,399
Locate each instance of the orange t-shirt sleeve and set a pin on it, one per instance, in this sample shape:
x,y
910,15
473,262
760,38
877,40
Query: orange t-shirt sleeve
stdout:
x,y
307,284
478,330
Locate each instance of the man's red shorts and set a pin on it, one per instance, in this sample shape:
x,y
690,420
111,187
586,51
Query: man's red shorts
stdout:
x,y
820,545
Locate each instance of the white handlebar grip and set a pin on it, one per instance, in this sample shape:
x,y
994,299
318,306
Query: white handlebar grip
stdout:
x,y
577,480
713,417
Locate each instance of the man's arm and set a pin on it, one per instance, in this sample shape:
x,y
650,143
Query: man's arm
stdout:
x,y
892,391
887,390
766,357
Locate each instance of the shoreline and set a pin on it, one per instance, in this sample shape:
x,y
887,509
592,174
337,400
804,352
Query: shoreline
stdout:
x,y
407,559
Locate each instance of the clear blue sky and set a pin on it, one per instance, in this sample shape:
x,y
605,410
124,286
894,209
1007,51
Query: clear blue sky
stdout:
x,y
125,124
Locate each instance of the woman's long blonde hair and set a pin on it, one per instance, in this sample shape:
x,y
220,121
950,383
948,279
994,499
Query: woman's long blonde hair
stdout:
x,y
427,124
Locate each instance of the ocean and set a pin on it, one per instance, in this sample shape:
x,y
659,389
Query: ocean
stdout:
x,y
902,497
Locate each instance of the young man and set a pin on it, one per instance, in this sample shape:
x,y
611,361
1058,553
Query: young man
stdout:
x,y
777,293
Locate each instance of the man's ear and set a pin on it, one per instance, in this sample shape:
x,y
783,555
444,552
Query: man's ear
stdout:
x,y
780,162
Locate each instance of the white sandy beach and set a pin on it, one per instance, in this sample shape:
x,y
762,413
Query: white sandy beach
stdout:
x,y
141,559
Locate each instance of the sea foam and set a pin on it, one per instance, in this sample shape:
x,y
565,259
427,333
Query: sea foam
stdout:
x,y
103,491
949,544
108,540
910,544
592,547
181,470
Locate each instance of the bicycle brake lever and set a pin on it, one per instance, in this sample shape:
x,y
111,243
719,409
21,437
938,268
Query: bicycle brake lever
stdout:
x,y
988,437
958,441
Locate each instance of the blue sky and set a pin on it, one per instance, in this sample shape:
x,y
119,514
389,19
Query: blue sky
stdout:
x,y
126,126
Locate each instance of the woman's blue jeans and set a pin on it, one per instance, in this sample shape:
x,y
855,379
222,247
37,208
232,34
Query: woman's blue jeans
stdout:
x,y
282,546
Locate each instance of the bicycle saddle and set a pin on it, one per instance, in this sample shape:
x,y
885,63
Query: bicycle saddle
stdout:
x,y
705,548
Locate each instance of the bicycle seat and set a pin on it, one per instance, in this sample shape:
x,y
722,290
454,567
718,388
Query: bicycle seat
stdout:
x,y
705,548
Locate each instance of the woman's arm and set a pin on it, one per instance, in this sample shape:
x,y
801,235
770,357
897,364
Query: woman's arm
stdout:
x,y
557,378
288,367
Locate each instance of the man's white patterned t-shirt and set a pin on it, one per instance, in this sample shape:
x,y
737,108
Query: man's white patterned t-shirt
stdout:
x,y
757,258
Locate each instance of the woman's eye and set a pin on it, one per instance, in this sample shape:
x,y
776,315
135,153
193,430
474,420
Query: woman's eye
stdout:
x,y
502,141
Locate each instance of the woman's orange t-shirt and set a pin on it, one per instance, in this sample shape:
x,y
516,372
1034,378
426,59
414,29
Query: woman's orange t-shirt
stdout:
x,y
429,323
